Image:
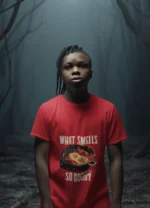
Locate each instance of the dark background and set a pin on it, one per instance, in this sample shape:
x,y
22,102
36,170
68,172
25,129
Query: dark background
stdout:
x,y
32,33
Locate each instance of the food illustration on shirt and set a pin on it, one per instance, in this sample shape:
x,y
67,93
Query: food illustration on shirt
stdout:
x,y
77,158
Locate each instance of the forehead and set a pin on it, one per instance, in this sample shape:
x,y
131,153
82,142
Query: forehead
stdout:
x,y
75,57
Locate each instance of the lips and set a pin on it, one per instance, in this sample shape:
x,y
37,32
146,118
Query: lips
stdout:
x,y
76,79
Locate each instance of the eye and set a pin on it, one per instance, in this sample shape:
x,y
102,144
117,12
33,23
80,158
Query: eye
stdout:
x,y
67,66
83,65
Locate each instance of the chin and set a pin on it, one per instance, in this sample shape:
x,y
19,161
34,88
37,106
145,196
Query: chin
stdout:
x,y
78,88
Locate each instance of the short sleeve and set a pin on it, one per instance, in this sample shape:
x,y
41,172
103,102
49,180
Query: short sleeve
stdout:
x,y
116,130
41,125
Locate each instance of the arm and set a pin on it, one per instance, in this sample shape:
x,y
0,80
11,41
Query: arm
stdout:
x,y
41,153
115,155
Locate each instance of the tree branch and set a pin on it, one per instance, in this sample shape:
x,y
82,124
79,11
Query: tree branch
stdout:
x,y
10,7
138,10
143,37
1,3
12,19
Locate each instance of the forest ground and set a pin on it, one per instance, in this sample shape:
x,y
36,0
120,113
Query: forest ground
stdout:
x,y
18,186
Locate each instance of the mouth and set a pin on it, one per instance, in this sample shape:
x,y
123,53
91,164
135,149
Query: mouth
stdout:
x,y
76,79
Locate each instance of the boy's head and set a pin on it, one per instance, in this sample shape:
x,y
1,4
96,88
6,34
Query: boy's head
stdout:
x,y
73,69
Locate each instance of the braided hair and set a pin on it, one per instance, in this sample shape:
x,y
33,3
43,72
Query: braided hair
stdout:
x,y
60,88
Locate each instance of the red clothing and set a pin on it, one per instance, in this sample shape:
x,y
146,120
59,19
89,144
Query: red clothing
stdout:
x,y
78,135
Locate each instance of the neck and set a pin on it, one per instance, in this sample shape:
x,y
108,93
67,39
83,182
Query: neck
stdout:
x,y
76,96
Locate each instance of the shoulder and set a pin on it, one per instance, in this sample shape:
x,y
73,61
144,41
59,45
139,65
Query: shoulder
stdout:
x,y
48,107
103,103
108,108
50,103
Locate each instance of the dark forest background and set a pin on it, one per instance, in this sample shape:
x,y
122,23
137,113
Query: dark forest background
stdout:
x,y
116,33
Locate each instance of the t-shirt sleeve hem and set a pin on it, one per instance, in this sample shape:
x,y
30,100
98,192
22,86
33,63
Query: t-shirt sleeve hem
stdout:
x,y
118,140
39,136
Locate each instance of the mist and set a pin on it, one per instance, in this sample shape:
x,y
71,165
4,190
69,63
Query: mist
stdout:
x,y
117,37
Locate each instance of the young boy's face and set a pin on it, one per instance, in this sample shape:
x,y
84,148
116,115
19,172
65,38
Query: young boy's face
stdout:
x,y
75,70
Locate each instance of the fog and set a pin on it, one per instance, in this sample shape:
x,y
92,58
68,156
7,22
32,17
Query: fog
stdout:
x,y
116,36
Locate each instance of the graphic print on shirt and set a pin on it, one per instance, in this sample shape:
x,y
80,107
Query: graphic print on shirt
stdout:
x,y
78,158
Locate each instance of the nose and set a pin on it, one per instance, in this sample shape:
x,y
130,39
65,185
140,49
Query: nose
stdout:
x,y
75,70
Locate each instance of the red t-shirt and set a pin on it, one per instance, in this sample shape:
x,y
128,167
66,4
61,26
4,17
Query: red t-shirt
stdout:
x,y
78,135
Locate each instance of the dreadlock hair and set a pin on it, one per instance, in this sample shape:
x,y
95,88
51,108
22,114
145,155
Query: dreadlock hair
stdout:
x,y
60,88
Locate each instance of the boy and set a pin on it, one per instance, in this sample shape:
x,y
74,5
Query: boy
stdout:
x,y
71,133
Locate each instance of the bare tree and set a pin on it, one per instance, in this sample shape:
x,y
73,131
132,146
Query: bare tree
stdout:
x,y
5,35
143,36
15,8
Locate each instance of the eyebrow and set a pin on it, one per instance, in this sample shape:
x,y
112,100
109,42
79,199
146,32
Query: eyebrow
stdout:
x,y
83,61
